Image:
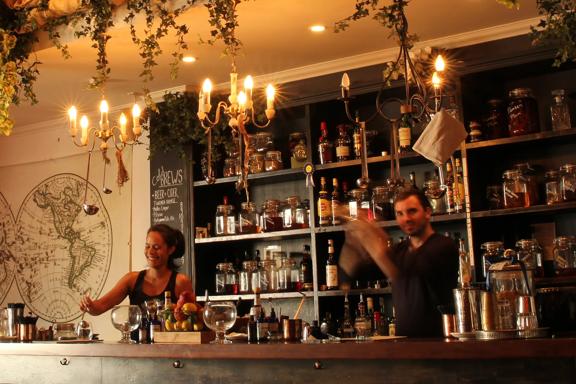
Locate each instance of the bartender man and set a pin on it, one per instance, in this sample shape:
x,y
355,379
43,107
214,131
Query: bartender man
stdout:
x,y
423,269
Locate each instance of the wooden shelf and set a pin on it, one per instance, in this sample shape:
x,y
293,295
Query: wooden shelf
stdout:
x,y
263,296
356,292
267,176
547,135
255,236
522,211
406,158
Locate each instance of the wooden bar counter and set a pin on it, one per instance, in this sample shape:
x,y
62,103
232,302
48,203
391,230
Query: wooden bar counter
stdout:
x,y
400,361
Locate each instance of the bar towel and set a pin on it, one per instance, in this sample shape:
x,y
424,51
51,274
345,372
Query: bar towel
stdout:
x,y
441,137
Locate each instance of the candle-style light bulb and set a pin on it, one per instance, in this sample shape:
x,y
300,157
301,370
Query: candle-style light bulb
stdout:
x,y
123,121
270,91
136,127
345,85
233,87
72,117
104,114
436,80
242,100
205,95
84,127
439,64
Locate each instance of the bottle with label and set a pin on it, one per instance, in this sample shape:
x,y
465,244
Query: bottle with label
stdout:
x,y
306,270
324,205
392,323
331,268
405,129
449,188
559,111
324,145
335,203
361,325
357,141
343,143
346,329
464,267
458,187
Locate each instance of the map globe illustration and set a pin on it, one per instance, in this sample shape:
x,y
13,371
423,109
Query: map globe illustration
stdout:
x,y
62,252
7,241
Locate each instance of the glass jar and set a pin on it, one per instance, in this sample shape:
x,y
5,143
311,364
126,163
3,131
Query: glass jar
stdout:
x,y
494,197
382,203
358,203
290,211
515,189
231,167
269,276
436,196
222,270
475,131
492,252
259,281
248,218
298,150
284,274
529,251
552,187
302,215
256,163
522,112
264,142
568,182
273,161
225,220
295,282
530,176
496,120
565,255
271,219
245,276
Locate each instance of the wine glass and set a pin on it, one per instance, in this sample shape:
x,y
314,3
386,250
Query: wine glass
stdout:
x,y
126,318
219,316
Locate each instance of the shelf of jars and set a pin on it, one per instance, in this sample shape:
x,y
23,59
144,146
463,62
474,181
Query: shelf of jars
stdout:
x,y
553,208
409,158
255,236
540,136
282,174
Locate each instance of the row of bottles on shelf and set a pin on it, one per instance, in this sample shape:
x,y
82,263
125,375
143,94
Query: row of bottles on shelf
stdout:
x,y
336,207
519,116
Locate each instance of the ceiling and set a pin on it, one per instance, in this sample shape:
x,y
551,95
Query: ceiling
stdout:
x,y
277,46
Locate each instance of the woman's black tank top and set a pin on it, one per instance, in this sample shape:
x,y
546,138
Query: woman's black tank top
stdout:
x,y
138,297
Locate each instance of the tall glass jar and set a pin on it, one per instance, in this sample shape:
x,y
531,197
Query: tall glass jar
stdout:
x,y
496,120
492,252
298,150
552,187
271,219
273,161
529,175
522,112
302,215
295,282
436,196
245,275
565,255
221,271
259,280
248,218
290,208
382,203
225,220
568,182
232,286
284,274
269,277
515,189
529,251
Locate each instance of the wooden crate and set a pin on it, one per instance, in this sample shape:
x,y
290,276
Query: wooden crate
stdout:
x,y
202,337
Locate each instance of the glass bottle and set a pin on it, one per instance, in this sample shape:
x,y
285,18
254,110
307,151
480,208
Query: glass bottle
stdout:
x,y
529,175
335,203
494,196
568,182
257,284
412,178
522,112
302,215
271,219
496,121
435,196
405,128
295,282
324,205
245,276
284,274
324,145
382,203
343,143
493,251
458,187
565,255
221,269
225,219
248,218
515,189
529,251
552,187
450,208
464,265
331,268
347,330
231,287
306,269
290,212
357,141
559,111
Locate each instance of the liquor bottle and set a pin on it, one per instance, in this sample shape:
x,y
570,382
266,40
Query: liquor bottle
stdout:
x,y
252,330
449,189
370,313
346,330
331,268
144,329
382,324
361,325
335,203
155,325
458,187
412,176
306,269
392,323
343,143
559,111
464,267
405,129
324,145
357,140
256,309
168,301
324,211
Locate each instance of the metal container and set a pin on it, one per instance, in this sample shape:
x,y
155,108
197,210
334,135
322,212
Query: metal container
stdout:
x,y
467,301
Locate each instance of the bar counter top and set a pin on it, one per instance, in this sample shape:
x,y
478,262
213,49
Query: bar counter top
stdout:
x,y
401,349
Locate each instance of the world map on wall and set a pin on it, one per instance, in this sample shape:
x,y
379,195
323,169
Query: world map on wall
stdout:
x,y
60,253
7,241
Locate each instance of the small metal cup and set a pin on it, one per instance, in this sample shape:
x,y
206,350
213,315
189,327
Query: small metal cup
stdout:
x,y
292,329
487,311
448,324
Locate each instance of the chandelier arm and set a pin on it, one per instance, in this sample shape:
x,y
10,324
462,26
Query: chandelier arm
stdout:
x,y
255,123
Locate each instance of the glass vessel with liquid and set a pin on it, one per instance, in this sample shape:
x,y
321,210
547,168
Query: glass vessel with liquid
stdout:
x,y
515,189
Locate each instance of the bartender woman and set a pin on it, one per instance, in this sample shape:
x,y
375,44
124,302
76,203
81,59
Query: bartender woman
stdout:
x,y
164,245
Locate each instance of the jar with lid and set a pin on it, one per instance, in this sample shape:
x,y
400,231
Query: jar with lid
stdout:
x,y
284,274
530,176
496,120
222,277
568,182
530,252
515,189
475,131
289,209
301,219
382,203
552,187
436,196
256,163
298,150
264,142
269,276
522,112
248,218
245,275
295,282
232,286
565,255
273,161
358,204
271,219
225,220
492,252
259,281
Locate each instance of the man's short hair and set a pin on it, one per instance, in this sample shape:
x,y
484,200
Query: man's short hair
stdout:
x,y
406,193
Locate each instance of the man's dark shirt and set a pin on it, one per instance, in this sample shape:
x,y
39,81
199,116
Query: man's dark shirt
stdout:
x,y
425,280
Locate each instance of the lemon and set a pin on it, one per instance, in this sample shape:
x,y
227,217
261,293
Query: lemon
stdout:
x,y
168,325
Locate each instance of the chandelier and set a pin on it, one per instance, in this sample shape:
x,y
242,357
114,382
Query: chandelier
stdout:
x,y
240,110
418,103
106,134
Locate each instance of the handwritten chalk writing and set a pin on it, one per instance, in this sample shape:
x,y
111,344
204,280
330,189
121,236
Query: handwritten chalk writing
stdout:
x,y
168,178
